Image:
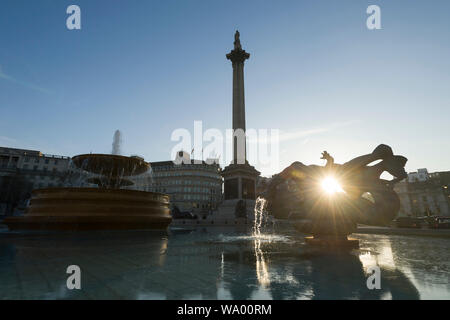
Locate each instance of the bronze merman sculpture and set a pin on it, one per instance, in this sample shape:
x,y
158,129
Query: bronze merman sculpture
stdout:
x,y
335,197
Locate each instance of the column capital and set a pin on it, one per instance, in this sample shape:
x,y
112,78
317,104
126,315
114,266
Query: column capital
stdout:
x,y
238,56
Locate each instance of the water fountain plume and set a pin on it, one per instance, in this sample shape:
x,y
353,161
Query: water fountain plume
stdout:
x,y
260,215
262,271
117,141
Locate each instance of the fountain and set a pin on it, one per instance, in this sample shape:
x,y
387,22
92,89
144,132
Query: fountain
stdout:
x,y
335,198
105,207
117,140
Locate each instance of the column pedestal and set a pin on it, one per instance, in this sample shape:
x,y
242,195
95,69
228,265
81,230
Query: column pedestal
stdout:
x,y
239,193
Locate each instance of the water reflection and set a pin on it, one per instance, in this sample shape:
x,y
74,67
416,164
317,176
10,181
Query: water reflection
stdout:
x,y
262,271
218,263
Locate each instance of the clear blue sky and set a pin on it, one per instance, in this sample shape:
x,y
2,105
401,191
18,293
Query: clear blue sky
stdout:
x,y
149,67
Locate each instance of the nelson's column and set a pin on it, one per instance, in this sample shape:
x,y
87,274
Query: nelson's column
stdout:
x,y
239,177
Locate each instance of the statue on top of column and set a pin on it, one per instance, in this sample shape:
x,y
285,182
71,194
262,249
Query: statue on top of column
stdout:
x,y
237,41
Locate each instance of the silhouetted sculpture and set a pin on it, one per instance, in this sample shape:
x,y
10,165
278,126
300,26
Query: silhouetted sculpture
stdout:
x,y
366,199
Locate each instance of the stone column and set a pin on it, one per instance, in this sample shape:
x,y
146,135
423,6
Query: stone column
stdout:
x,y
238,56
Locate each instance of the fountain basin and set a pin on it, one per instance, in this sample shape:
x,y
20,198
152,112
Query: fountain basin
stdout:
x,y
93,209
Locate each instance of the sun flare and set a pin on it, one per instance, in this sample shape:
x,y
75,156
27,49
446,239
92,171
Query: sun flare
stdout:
x,y
331,185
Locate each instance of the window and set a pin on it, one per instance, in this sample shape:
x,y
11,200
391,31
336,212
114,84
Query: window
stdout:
x,y
46,161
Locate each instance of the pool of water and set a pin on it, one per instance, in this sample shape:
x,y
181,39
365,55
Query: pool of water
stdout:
x,y
219,263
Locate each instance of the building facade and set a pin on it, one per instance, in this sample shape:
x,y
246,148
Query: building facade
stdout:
x,y
22,170
192,185
420,176
424,194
